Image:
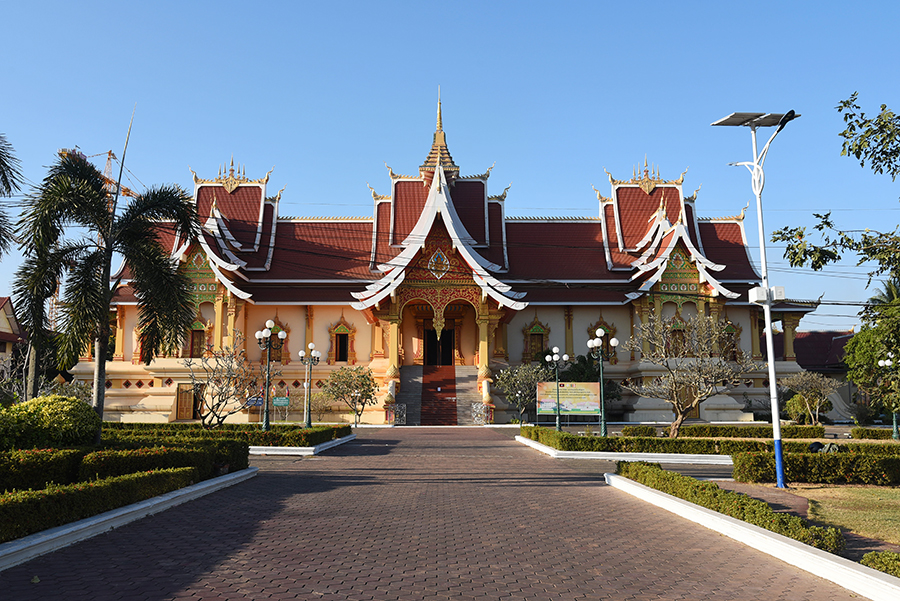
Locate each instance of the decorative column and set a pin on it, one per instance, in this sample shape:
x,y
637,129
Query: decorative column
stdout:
x,y
218,327
755,332
393,370
791,322
310,322
377,340
119,353
484,370
570,337
500,342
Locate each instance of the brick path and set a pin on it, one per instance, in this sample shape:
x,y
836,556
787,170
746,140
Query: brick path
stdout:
x,y
410,514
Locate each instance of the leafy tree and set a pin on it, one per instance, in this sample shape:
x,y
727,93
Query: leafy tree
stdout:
x,y
862,353
74,193
519,384
10,182
874,142
689,353
224,379
354,387
812,392
585,369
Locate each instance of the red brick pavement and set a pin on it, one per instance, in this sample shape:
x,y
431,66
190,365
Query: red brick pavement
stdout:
x,y
410,514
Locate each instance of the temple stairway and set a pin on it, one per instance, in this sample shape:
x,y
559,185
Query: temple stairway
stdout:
x,y
466,394
438,396
410,393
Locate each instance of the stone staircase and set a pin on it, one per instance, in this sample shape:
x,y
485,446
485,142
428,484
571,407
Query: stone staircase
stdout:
x,y
411,393
466,394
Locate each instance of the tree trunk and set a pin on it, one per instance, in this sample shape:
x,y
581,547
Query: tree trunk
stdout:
x,y
101,346
676,425
31,381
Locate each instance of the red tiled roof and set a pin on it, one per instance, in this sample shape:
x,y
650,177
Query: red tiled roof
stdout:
x,y
723,244
815,350
469,200
241,210
319,250
636,207
409,200
556,250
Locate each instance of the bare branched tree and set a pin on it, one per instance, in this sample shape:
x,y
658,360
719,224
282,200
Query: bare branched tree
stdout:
x,y
699,357
224,379
519,383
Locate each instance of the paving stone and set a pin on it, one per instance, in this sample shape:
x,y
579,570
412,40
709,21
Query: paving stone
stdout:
x,y
413,514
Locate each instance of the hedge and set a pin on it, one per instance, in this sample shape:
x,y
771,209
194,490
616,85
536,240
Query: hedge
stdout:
x,y
645,431
736,505
883,561
570,442
110,463
28,511
732,431
36,468
48,421
872,433
284,436
819,468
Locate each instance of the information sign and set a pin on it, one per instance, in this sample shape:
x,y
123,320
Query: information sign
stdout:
x,y
281,401
575,398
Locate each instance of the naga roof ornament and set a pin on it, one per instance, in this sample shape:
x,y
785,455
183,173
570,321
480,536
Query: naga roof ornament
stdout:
x,y
228,179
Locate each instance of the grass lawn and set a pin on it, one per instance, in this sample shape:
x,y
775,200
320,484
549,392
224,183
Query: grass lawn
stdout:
x,y
872,511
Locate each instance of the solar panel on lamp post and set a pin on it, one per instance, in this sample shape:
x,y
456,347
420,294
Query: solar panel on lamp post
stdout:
x,y
758,181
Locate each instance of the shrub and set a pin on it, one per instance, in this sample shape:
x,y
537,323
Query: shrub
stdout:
x,y
277,436
736,505
52,421
871,433
110,463
883,561
819,468
28,511
36,468
734,431
638,431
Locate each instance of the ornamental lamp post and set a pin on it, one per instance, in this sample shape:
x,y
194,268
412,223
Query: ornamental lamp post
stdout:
x,y
764,294
268,344
595,350
887,363
308,361
554,361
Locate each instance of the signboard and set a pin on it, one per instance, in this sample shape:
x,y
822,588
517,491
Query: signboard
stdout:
x,y
281,401
255,401
575,398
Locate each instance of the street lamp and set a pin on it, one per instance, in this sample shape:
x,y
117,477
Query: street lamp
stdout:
x,y
308,361
268,344
887,363
554,361
595,350
758,181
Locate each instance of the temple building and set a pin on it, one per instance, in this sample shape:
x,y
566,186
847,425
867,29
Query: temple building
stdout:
x,y
440,288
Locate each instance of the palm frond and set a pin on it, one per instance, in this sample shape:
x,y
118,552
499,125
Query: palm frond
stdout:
x,y
10,168
161,203
85,306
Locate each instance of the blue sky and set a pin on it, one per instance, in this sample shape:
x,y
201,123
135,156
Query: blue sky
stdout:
x,y
328,92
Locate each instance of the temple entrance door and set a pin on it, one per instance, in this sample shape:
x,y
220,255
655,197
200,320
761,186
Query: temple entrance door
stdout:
x,y
439,351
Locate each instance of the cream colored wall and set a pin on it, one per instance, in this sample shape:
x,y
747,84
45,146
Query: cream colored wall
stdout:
x,y
5,326
547,315
618,317
327,316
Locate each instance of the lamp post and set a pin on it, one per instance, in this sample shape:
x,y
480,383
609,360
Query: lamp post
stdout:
x,y
308,361
268,344
554,361
886,364
758,181
595,349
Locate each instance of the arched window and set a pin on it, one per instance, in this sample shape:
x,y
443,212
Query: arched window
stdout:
x,y
537,339
343,343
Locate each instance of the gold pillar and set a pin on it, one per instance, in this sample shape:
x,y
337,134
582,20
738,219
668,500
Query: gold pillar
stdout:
x,y
715,310
500,342
310,322
119,354
377,340
393,370
790,330
755,330
219,324
570,336
484,370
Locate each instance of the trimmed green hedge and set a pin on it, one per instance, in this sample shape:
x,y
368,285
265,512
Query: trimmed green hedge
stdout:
x,y
570,442
281,436
110,463
736,505
883,561
36,468
819,468
48,421
645,431
28,511
872,433
733,431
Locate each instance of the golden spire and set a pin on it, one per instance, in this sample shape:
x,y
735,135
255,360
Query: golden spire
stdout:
x,y
440,125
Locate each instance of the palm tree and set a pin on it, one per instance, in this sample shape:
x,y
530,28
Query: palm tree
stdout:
x,y
10,180
74,193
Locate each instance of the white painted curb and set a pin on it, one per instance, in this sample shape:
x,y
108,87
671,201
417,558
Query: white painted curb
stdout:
x,y
855,577
18,551
682,458
301,450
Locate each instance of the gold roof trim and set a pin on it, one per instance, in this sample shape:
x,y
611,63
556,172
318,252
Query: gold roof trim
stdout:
x,y
730,218
648,180
503,195
484,175
600,196
375,195
228,179
398,175
694,195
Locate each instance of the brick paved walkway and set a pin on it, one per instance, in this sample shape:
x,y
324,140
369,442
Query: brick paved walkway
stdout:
x,y
411,514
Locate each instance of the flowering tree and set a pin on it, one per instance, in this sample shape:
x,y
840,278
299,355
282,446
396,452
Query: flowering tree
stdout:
x,y
354,387
519,384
